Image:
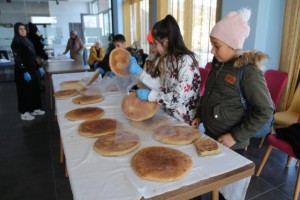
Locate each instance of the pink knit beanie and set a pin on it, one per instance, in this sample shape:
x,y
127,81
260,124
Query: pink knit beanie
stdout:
x,y
233,29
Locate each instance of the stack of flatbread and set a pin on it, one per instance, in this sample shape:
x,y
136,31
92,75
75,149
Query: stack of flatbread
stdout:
x,y
84,113
161,164
177,134
119,61
116,144
64,94
136,109
73,84
97,127
88,99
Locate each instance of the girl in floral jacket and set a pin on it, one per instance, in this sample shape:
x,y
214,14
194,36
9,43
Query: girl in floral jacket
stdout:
x,y
178,86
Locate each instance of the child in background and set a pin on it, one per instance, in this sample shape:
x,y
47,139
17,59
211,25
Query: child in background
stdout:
x,y
178,84
221,110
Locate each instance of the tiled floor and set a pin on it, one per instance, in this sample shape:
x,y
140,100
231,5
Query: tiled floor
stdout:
x,y
30,169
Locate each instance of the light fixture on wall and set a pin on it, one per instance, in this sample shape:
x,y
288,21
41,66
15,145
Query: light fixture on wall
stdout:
x,y
57,3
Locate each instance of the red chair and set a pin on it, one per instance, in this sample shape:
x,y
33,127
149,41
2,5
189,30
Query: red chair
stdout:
x,y
285,147
276,82
208,66
204,74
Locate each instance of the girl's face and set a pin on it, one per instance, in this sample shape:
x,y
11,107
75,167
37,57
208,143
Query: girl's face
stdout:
x,y
221,50
162,47
152,48
22,31
97,45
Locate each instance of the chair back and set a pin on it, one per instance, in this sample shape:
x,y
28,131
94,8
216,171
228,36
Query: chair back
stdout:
x,y
208,66
295,104
204,74
276,81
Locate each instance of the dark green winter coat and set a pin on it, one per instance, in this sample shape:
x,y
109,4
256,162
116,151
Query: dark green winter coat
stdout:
x,y
221,110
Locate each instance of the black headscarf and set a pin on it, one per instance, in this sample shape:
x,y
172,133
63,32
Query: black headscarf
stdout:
x,y
21,40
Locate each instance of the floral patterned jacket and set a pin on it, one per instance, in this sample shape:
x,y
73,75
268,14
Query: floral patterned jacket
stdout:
x,y
179,92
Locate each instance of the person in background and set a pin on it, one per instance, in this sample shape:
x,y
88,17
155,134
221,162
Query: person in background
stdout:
x,y
96,54
26,74
119,41
221,110
75,46
38,42
177,87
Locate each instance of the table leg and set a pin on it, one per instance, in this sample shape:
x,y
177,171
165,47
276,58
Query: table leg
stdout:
x,y
61,152
215,194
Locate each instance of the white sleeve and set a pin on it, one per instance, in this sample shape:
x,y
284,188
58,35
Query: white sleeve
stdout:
x,y
152,83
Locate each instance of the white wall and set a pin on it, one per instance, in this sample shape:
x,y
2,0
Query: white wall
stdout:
x,y
266,24
65,13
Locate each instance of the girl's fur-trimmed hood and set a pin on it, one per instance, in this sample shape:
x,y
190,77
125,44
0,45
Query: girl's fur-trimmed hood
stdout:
x,y
251,57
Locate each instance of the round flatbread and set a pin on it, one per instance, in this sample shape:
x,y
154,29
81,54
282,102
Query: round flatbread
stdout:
x,y
64,94
152,123
116,144
84,113
161,164
136,109
97,127
119,61
88,99
177,134
73,84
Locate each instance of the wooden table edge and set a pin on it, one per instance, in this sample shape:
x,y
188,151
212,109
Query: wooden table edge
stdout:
x,y
208,185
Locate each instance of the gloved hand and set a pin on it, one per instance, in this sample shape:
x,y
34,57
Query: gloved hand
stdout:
x,y
143,94
101,71
112,74
42,71
27,77
134,67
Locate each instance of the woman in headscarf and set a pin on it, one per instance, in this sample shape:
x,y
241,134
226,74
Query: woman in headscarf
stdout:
x,y
26,74
75,46
38,42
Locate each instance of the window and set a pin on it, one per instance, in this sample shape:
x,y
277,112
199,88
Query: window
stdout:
x,y
195,19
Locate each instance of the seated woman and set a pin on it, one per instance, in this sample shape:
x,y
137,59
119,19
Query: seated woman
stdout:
x,y
96,54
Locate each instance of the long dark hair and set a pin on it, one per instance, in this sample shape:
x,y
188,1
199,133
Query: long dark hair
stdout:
x,y
168,28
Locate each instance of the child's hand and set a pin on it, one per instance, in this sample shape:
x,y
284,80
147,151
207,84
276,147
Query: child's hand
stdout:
x,y
196,122
227,140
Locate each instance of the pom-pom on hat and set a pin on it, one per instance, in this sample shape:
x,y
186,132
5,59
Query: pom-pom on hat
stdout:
x,y
233,29
149,37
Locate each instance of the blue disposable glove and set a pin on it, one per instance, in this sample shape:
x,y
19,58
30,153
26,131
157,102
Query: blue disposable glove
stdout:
x,y
42,71
143,94
112,74
27,76
134,67
101,71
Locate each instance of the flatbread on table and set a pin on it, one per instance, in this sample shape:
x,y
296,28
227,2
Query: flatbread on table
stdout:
x,y
88,99
84,113
136,109
73,84
116,144
97,127
178,135
119,61
64,94
207,147
152,123
161,164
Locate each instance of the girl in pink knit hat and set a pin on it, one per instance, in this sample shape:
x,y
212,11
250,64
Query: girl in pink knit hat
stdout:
x,y
221,111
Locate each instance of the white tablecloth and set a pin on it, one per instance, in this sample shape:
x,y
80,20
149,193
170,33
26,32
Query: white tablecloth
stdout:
x,y
93,176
